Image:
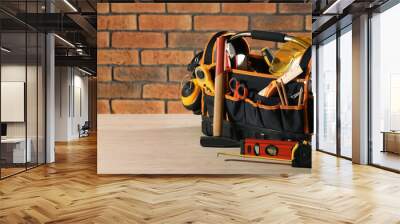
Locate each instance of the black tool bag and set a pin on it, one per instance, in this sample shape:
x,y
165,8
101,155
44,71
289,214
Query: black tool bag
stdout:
x,y
257,116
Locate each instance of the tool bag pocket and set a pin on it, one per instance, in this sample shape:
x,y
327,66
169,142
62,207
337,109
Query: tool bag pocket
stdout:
x,y
271,117
293,118
252,114
235,109
276,118
254,81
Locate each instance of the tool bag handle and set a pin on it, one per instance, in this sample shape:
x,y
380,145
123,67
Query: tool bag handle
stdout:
x,y
262,35
268,36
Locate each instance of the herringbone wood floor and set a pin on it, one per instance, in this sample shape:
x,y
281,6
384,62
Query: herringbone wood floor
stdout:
x,y
69,191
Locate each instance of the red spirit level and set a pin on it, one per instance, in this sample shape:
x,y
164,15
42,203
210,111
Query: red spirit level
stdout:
x,y
297,153
271,149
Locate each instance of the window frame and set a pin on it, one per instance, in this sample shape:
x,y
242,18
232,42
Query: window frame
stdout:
x,y
334,37
380,9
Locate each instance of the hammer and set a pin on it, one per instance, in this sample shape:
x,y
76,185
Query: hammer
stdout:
x,y
219,97
219,87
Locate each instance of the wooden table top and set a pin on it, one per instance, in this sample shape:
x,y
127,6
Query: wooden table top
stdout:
x,y
168,144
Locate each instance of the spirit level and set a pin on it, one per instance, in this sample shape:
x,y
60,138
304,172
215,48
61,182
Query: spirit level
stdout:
x,y
296,153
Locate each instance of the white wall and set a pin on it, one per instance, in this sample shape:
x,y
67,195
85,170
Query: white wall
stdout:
x,y
71,102
13,72
13,101
61,103
33,127
16,73
80,110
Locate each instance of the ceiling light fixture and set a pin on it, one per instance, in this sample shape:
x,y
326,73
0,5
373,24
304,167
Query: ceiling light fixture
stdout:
x,y
84,71
70,5
5,50
79,51
65,41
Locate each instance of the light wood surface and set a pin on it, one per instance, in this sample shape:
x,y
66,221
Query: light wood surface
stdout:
x,y
386,159
168,144
8,171
70,191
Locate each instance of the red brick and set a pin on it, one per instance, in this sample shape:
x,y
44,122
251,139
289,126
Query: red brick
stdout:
x,y
178,73
165,22
193,7
103,106
221,23
140,73
137,7
249,8
104,73
118,90
138,40
161,91
295,8
137,107
103,7
176,107
119,57
188,40
308,23
116,22
164,57
103,39
277,23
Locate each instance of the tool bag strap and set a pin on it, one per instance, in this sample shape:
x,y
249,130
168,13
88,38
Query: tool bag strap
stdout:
x,y
240,45
208,54
205,57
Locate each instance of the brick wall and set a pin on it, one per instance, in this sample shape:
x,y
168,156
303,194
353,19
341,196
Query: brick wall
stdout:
x,y
143,48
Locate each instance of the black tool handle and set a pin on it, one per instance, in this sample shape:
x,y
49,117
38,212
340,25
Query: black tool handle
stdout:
x,y
268,36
